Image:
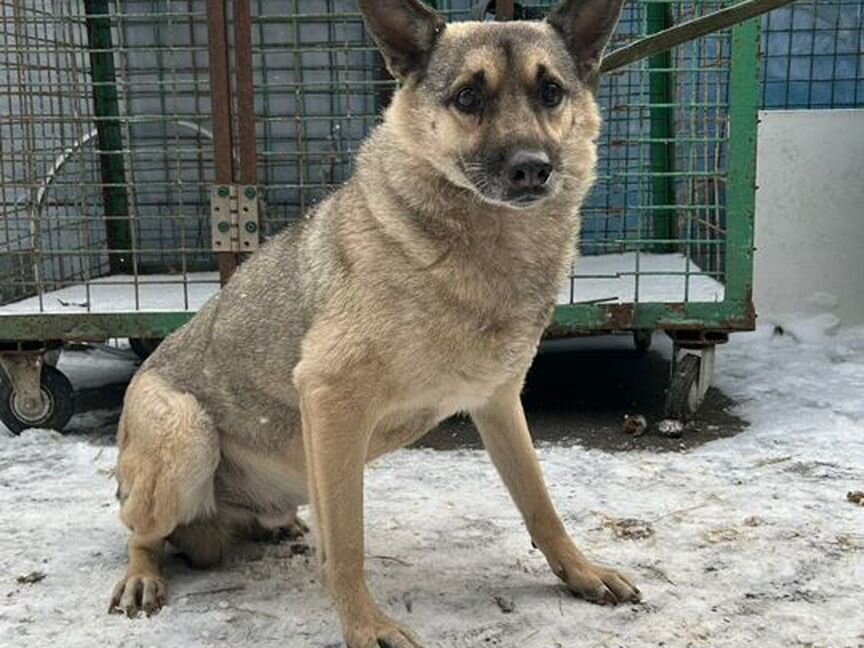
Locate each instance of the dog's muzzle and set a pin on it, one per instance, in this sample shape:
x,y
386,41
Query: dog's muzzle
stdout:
x,y
527,175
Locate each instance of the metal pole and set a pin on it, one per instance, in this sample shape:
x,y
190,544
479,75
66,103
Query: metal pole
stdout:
x,y
220,101
741,190
106,109
504,10
690,30
247,161
661,87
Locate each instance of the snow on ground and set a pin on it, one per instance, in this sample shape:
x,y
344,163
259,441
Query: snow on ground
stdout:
x,y
746,541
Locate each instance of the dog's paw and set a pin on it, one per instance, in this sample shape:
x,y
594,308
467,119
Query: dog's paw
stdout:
x,y
381,634
135,594
598,584
292,531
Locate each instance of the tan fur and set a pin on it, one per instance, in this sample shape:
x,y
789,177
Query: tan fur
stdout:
x,y
413,293
165,477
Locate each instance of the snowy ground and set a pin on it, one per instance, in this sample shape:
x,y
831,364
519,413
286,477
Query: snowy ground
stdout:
x,y
743,542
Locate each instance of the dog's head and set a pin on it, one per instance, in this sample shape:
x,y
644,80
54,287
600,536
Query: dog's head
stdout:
x,y
505,110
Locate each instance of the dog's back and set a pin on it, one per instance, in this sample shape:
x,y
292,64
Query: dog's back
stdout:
x,y
244,343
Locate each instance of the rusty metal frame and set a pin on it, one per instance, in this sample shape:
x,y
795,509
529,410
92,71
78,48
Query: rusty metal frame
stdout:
x,y
243,170
220,100
246,171
504,10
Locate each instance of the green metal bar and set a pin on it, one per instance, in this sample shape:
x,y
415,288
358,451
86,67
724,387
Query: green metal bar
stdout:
x,y
568,320
89,327
661,87
106,108
706,26
741,192
596,318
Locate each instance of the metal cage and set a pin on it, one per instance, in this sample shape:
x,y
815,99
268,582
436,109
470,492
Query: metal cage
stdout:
x,y
125,126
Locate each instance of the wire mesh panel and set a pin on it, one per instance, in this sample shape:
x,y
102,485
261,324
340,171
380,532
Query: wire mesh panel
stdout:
x,y
108,151
51,232
107,157
655,222
814,55
653,230
163,83
318,82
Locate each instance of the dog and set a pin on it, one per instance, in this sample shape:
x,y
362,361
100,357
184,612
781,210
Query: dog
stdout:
x,y
418,290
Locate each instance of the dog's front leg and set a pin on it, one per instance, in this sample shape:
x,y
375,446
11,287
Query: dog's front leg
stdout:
x,y
336,433
504,430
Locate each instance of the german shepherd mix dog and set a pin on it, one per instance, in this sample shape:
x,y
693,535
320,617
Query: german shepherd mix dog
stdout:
x,y
418,290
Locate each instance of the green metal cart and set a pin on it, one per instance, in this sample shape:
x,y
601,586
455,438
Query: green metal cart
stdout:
x,y
147,146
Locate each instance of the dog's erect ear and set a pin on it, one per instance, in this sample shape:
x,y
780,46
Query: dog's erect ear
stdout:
x,y
586,27
405,31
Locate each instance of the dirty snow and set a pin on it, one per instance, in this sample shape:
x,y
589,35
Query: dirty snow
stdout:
x,y
607,278
746,541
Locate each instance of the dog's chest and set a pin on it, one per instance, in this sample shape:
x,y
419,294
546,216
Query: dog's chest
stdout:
x,y
494,308
471,354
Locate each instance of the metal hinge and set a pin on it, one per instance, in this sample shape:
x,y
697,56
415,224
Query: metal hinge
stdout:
x,y
234,218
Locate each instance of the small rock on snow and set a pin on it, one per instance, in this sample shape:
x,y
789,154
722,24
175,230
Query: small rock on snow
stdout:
x,y
32,577
856,497
507,605
670,428
635,424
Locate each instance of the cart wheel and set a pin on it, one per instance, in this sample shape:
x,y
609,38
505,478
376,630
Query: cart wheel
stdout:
x,y
642,340
144,347
58,404
691,378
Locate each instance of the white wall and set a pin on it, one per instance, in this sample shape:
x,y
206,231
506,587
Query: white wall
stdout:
x,y
810,214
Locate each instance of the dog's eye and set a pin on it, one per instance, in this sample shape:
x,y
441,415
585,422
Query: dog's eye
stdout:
x,y
551,94
469,100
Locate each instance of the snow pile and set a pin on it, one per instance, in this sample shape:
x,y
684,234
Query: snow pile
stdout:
x,y
747,541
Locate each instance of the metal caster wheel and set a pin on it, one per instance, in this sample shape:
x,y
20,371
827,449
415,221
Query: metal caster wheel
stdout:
x,y
26,403
691,378
144,347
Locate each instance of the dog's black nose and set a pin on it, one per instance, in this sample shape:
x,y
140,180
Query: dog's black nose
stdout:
x,y
528,170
